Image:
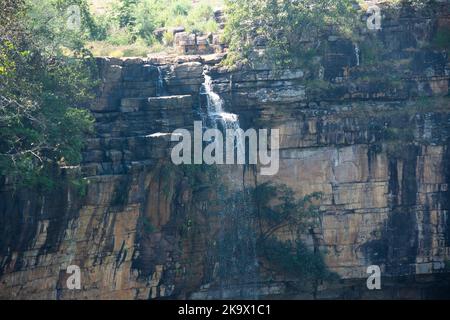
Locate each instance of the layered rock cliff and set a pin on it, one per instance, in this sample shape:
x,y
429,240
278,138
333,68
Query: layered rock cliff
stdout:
x,y
369,130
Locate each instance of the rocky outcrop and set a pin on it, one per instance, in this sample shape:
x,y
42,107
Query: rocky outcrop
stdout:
x,y
376,144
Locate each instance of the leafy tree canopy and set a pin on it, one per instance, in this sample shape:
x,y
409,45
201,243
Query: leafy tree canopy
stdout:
x,y
45,80
285,27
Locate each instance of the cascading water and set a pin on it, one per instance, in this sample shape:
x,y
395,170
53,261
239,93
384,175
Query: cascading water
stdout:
x,y
216,115
215,106
160,86
357,51
237,265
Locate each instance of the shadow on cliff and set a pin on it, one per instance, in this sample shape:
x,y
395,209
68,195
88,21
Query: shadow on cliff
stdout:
x,y
33,219
397,247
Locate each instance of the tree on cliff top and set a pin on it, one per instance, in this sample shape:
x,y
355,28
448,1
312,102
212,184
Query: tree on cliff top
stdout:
x,y
284,27
44,79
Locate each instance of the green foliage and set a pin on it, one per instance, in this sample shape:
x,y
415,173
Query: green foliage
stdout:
x,y
146,20
168,38
447,265
41,92
80,185
286,26
121,37
46,22
129,21
200,20
149,228
371,50
199,176
277,208
102,26
318,84
442,39
403,135
295,259
125,10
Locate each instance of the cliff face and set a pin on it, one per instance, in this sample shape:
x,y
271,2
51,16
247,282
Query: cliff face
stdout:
x,y
372,137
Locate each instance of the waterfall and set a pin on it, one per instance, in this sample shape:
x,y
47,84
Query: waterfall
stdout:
x,y
217,116
215,106
357,51
160,86
237,262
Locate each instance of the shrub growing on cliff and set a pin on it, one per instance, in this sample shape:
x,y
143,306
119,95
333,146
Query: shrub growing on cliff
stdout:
x,y
295,259
277,209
